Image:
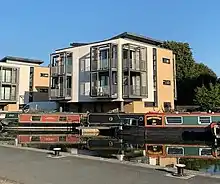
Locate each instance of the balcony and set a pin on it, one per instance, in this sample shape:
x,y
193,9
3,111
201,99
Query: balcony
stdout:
x,y
103,65
134,91
134,65
57,70
8,98
104,91
60,94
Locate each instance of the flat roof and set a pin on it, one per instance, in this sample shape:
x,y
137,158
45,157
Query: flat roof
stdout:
x,y
139,38
20,59
132,36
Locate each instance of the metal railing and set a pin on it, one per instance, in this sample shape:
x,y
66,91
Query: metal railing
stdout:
x,y
104,91
60,70
60,93
103,64
134,90
138,65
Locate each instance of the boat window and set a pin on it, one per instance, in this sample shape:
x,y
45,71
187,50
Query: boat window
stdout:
x,y
204,120
174,120
63,118
155,150
62,138
154,120
35,138
36,118
205,151
175,151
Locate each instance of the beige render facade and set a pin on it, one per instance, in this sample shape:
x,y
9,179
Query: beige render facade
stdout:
x,y
166,93
18,80
132,74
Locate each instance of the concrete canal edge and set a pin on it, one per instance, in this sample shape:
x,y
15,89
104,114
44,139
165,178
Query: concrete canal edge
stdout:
x,y
114,161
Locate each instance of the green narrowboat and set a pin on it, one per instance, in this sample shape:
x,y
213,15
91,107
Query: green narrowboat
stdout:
x,y
181,126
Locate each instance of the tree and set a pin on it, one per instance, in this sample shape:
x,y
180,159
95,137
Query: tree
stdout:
x,y
189,74
208,98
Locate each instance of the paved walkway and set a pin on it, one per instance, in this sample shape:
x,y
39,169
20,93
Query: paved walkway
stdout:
x,y
33,167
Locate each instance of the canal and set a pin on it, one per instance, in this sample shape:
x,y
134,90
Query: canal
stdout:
x,y
199,156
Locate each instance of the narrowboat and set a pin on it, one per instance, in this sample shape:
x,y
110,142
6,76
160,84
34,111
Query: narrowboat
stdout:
x,y
115,119
48,139
181,126
57,122
176,127
182,151
113,122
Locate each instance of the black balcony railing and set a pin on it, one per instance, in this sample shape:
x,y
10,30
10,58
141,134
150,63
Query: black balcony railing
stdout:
x,y
134,65
134,90
60,93
104,91
103,64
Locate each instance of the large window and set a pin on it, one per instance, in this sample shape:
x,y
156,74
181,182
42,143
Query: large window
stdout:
x,y
13,93
104,58
69,60
69,82
6,75
104,80
6,93
54,84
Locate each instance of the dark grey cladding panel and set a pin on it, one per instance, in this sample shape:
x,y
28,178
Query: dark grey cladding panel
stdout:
x,y
103,118
104,144
112,118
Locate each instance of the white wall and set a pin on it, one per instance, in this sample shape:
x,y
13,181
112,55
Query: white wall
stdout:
x,y
24,78
81,76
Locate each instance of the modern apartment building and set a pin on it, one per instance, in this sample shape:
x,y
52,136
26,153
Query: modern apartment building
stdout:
x,y
128,72
17,79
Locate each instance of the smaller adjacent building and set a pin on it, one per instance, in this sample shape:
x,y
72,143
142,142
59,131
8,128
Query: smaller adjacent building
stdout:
x,y
22,80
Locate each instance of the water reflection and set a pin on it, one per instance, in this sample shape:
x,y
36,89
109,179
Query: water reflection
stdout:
x,y
200,156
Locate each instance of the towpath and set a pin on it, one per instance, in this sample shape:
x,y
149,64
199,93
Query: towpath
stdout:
x,y
30,166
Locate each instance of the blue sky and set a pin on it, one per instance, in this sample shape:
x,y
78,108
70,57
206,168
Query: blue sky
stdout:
x,y
34,29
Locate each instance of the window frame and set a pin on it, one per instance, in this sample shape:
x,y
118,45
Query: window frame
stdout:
x,y
173,123
46,75
165,84
210,120
167,148
165,59
200,151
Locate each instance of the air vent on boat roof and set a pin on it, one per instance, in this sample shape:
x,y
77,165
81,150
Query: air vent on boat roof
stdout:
x,y
174,120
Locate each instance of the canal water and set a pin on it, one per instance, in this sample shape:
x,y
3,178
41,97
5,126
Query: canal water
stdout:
x,y
199,156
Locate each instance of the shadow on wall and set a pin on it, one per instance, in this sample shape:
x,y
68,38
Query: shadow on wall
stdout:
x,y
37,96
84,78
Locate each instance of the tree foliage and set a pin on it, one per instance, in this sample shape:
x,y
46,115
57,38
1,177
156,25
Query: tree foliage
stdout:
x,y
208,97
189,74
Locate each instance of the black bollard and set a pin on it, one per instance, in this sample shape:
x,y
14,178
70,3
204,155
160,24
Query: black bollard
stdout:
x,y
180,169
57,151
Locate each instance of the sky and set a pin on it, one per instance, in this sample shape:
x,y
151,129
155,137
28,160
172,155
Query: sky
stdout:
x,y
34,29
